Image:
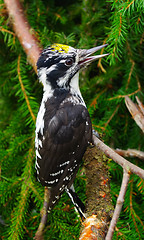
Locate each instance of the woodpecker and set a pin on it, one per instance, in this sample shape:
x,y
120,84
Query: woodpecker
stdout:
x,y
63,126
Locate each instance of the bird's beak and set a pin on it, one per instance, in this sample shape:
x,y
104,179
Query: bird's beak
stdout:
x,y
85,57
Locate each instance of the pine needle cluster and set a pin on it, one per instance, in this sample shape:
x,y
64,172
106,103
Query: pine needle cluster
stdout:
x,y
81,24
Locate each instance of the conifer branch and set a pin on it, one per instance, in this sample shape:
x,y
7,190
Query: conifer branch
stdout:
x,y
123,96
24,92
132,211
113,114
130,73
7,31
18,215
23,31
36,193
130,4
94,102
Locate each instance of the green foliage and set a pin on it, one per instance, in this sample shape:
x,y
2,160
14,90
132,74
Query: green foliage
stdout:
x,y
81,24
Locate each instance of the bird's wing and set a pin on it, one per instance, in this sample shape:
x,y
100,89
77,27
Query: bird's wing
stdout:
x,y
62,147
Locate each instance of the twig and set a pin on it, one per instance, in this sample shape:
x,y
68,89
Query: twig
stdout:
x,y
118,206
118,159
135,112
113,114
130,153
23,31
44,213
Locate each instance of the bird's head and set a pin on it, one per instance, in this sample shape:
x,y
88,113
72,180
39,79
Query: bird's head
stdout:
x,y
59,65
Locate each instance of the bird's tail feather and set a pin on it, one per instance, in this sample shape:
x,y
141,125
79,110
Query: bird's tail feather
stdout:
x,y
79,206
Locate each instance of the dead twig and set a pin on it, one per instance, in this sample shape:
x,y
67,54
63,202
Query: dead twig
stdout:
x,y
141,106
136,111
130,153
118,207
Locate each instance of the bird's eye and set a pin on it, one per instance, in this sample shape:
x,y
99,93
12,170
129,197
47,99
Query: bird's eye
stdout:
x,y
69,62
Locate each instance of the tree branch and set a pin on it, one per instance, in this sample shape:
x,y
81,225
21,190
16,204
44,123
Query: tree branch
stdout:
x,y
23,31
118,206
141,106
128,166
99,207
130,153
44,213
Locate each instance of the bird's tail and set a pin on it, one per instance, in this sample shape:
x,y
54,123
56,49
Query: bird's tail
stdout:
x,y
79,206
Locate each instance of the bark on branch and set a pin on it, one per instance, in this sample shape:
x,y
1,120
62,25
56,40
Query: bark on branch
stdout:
x,y
99,207
23,31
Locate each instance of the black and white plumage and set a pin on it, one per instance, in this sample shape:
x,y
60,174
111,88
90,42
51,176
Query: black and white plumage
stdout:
x,y
63,126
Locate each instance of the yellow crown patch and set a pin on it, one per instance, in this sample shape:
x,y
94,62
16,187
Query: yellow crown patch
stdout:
x,y
60,47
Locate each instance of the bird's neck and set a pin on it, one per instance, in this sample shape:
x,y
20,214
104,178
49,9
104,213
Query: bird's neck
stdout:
x,y
73,90
74,85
